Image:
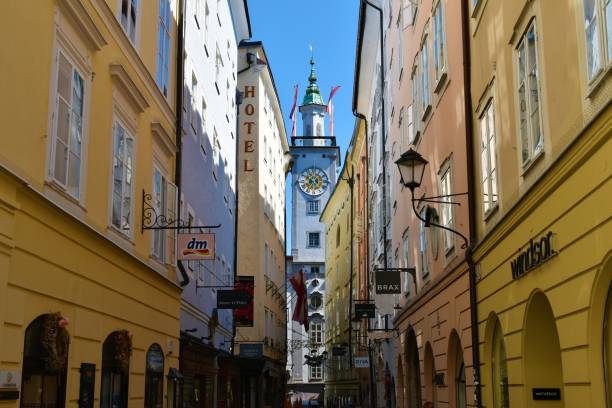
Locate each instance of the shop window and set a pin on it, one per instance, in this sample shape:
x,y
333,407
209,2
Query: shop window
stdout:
x,y
45,359
154,382
499,370
116,353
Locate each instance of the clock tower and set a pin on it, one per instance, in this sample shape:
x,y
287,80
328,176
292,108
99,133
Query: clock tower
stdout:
x,y
315,158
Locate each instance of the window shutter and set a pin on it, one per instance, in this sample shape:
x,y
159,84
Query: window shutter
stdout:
x,y
171,206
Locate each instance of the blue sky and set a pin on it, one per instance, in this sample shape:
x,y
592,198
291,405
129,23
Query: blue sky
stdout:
x,y
287,28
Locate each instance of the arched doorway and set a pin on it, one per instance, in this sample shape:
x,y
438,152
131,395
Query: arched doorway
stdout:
x,y
499,369
154,380
413,371
401,389
607,348
429,375
45,362
542,353
456,371
116,353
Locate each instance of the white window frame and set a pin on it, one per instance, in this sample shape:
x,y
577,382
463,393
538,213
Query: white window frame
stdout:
x,y
203,130
406,261
313,207
163,46
415,80
488,159
308,245
316,373
316,333
423,247
193,117
136,27
127,229
601,50
446,209
530,149
164,205
425,79
63,48
439,43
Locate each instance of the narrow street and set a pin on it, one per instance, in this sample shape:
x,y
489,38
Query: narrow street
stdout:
x,y
294,204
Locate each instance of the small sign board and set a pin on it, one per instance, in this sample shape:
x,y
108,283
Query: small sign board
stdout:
x,y
546,394
365,310
10,379
195,247
388,282
362,362
87,385
254,350
232,299
338,351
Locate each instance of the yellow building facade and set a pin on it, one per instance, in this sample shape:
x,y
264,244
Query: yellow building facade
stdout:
x,y
89,298
342,278
541,92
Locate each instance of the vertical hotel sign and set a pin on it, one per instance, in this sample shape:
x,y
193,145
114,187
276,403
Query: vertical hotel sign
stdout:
x,y
243,317
248,125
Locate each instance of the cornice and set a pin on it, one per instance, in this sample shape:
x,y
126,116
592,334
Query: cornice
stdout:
x,y
163,137
85,23
592,136
122,78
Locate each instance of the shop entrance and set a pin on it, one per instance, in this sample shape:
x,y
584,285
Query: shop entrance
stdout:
x,y
413,371
542,356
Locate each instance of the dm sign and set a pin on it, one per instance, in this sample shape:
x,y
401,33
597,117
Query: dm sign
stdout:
x,y
196,247
388,282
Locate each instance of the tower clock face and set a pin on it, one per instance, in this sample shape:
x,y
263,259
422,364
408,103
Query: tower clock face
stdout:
x,y
313,181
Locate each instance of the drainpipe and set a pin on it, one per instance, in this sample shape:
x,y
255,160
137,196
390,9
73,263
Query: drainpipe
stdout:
x,y
469,127
351,183
180,60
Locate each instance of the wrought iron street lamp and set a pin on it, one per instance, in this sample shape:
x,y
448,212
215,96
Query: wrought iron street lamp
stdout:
x,y
412,168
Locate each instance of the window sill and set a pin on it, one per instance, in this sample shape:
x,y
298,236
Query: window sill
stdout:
x,y
53,185
426,113
527,167
595,84
489,213
127,236
441,82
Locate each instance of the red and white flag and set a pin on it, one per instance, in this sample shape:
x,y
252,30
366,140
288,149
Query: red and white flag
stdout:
x,y
300,313
293,115
330,109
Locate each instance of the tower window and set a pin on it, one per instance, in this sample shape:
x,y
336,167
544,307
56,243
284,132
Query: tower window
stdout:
x,y
319,130
314,240
312,207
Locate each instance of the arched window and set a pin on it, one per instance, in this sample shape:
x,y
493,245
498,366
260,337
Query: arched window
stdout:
x,y
116,352
608,346
45,359
499,369
430,376
154,382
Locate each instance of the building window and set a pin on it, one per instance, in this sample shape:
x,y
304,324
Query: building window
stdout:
x,y
499,369
314,270
316,333
312,207
218,66
129,18
164,202
400,43
425,84
439,41
203,133
68,126
447,208
413,131
163,46
423,246
598,31
530,124
316,372
406,261
337,236
44,375
154,381
115,370
123,174
488,158
314,240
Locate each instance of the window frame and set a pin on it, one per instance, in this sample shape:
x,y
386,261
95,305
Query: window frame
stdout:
x,y
313,207
425,76
492,188
423,246
445,181
150,376
439,44
534,152
128,233
136,40
604,42
163,48
165,236
308,235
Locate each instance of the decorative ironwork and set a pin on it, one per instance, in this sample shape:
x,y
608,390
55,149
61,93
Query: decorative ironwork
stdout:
x,y
152,220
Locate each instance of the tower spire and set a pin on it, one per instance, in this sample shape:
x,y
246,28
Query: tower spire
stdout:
x,y
313,96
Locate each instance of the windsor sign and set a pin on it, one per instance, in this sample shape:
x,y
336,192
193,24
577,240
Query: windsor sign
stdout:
x,y
532,255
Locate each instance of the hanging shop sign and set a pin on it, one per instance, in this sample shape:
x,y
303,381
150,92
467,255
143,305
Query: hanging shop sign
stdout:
x,y
338,351
243,317
232,299
196,247
365,310
532,255
546,394
10,381
362,362
254,350
388,282
87,385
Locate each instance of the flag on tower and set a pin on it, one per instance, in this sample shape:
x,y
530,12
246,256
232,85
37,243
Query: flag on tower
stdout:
x,y
330,109
300,313
292,115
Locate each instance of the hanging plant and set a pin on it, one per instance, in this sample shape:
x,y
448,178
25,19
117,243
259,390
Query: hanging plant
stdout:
x,y
122,347
55,341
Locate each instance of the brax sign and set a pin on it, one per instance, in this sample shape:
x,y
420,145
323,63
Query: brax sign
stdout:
x,y
534,254
388,282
